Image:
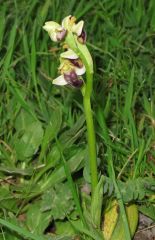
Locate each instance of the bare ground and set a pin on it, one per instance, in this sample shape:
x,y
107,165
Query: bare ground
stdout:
x,y
146,229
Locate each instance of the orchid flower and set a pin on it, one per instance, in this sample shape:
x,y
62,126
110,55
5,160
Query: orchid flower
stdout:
x,y
71,68
58,32
55,31
69,23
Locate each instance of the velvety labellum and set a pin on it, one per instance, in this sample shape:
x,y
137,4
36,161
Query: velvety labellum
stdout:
x,y
73,80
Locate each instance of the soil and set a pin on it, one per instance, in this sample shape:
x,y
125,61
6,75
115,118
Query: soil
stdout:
x,y
146,229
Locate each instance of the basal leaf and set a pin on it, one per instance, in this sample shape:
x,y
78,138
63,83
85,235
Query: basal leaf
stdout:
x,y
51,130
7,200
37,220
27,145
65,228
59,200
23,120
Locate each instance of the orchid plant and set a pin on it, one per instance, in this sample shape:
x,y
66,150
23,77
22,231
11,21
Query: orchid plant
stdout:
x,y
76,61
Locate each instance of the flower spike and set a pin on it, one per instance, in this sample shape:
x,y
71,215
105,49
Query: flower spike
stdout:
x,y
72,62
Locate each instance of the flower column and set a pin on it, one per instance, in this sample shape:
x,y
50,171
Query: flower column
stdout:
x,y
75,62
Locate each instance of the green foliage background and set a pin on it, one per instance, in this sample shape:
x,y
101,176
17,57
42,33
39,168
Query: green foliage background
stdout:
x,y
121,38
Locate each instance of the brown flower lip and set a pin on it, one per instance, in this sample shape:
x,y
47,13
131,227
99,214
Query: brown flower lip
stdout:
x,y
76,63
73,80
82,37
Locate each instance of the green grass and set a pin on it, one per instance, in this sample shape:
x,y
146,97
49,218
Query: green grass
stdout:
x,y
33,112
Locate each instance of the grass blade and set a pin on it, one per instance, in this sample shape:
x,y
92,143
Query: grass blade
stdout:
x,y
20,231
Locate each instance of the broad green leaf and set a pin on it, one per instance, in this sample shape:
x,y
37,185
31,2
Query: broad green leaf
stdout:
x,y
7,199
65,228
28,144
51,130
75,163
52,159
148,210
17,171
21,231
59,200
37,220
23,120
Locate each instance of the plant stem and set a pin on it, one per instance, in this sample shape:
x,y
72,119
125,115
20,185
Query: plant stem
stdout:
x,y
82,51
90,133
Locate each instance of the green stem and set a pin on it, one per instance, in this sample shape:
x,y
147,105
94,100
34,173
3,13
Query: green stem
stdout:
x,y
91,134
82,51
